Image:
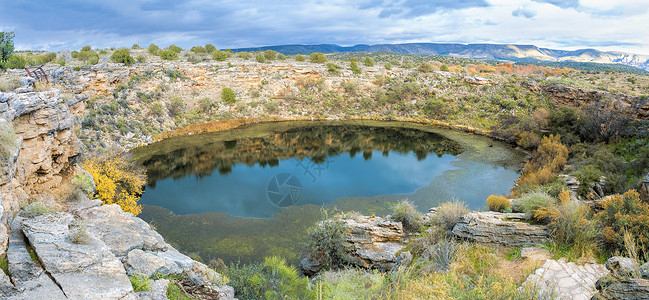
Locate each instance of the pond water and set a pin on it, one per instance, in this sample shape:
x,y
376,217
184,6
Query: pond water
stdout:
x,y
253,191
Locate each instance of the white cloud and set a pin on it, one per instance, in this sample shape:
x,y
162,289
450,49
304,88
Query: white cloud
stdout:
x,y
601,24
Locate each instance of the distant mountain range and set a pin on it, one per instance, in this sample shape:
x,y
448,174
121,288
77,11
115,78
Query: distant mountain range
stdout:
x,y
516,53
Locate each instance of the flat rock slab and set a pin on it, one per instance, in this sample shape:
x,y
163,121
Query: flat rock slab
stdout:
x,y
120,231
88,271
164,263
561,280
503,229
29,279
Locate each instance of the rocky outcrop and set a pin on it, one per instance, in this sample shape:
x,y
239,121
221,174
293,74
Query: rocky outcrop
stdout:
x,y
30,280
634,107
374,244
77,255
83,271
629,289
565,280
46,144
626,280
502,229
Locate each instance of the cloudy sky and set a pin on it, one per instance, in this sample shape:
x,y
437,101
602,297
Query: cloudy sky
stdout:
x,y
563,24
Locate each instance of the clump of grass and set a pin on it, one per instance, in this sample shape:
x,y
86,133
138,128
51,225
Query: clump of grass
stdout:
x,y
8,84
343,284
35,209
572,230
498,203
530,202
448,213
176,293
7,142
79,234
406,213
4,265
140,283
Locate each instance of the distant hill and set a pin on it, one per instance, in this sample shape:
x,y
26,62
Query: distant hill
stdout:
x,y
516,53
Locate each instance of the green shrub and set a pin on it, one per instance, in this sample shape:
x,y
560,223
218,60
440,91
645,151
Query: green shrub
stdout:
x,y
498,203
406,213
153,49
227,96
328,240
244,55
530,202
88,56
198,49
388,66
369,61
209,48
625,213
176,106
168,55
61,62
317,58
140,283
157,109
206,104
448,213
122,56
219,55
281,56
299,57
16,62
86,48
261,58
175,48
74,54
354,67
270,54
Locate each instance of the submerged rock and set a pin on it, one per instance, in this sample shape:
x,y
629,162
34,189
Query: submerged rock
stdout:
x,y
503,229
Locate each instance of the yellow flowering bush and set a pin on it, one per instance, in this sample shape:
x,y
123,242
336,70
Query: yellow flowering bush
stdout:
x,y
119,180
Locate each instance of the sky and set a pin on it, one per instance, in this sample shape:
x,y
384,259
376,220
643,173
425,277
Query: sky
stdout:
x,y
610,25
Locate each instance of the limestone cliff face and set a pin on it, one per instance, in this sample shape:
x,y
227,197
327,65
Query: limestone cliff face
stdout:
x,y
43,123
634,107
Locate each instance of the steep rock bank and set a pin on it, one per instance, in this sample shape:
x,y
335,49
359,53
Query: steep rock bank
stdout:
x,y
88,251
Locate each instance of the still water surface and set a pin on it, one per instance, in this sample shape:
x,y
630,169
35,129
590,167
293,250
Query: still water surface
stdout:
x,y
253,192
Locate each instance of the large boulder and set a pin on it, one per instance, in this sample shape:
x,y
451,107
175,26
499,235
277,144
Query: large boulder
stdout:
x,y
164,263
628,289
622,267
503,229
374,244
121,231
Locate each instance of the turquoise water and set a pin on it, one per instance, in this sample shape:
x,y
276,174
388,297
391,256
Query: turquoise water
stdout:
x,y
249,193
